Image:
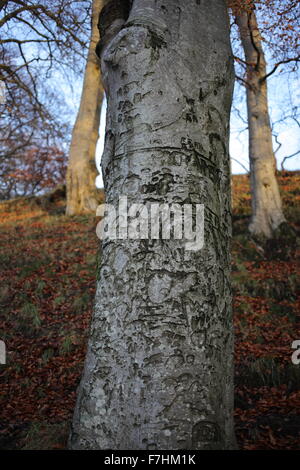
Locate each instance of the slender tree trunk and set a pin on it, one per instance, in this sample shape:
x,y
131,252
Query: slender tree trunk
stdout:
x,y
159,366
82,194
267,213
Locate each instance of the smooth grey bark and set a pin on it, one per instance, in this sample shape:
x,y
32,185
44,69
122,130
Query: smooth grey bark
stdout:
x,y
267,214
159,367
82,194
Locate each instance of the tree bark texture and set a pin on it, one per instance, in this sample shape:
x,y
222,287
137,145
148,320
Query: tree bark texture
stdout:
x,y
82,194
267,214
158,372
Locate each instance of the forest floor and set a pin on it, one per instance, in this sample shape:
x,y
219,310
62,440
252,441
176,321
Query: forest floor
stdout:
x,y
47,286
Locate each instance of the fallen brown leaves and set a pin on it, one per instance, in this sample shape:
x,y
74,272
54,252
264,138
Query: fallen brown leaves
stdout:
x,y
47,279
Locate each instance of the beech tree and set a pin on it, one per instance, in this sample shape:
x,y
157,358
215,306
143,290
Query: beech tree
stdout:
x,y
82,194
267,213
158,372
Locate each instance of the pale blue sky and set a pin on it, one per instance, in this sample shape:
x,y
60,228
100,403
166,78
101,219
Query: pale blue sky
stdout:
x,y
284,94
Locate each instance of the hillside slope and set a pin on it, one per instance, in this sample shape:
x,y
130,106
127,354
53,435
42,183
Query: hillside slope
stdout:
x,y
47,271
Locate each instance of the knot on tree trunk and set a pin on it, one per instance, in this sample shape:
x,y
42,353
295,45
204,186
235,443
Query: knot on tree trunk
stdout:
x,y
111,19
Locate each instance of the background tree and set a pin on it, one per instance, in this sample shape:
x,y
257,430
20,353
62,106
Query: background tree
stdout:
x,y
82,194
267,214
158,373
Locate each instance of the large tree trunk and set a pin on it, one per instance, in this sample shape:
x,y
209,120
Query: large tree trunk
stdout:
x,y
267,213
159,367
82,194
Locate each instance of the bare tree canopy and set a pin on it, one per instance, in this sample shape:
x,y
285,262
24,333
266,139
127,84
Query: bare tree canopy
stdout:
x,y
39,43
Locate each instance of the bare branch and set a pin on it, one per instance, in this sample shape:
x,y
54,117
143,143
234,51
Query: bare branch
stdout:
x,y
237,161
286,158
287,61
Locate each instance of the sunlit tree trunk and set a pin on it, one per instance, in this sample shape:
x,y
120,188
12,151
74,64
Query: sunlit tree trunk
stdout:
x,y
158,372
82,195
267,213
